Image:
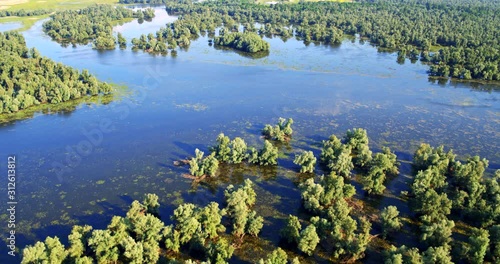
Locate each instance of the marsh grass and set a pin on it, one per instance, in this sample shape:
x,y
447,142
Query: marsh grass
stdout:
x,y
56,5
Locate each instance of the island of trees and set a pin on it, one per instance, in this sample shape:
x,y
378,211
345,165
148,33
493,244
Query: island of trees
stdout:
x,y
444,192
142,1
93,23
247,41
28,79
23,13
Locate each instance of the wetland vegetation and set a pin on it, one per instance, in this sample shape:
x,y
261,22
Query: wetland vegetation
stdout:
x,y
93,23
444,191
466,34
311,189
29,79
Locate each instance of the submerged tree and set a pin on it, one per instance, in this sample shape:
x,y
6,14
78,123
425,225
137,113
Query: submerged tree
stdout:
x,y
291,231
220,251
306,160
78,240
402,255
247,41
308,240
230,151
223,149
390,220
239,202
427,156
466,183
281,132
278,256
381,165
50,251
337,156
122,42
437,232
358,141
479,244
151,203
268,155
319,196
238,150
439,254
200,166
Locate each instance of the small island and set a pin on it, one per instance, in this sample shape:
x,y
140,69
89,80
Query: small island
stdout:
x,y
246,41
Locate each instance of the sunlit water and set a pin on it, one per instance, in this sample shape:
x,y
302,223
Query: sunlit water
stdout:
x,y
173,105
9,26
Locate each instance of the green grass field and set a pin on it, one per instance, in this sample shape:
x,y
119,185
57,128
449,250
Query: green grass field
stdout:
x,y
27,22
50,4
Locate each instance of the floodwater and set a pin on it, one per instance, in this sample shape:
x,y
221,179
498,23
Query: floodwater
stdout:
x,y
9,26
84,165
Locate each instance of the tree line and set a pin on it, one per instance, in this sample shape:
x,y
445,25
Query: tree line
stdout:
x,y
142,1
92,24
23,13
28,79
465,36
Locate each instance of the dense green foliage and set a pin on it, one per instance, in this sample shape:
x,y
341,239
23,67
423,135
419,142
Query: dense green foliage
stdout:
x,y
28,79
337,156
93,23
239,208
353,152
236,151
230,151
382,164
357,139
291,231
149,44
331,189
278,256
306,160
390,220
281,132
200,166
445,191
122,42
140,235
246,41
340,233
142,1
467,35
268,155
24,13
132,239
308,240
